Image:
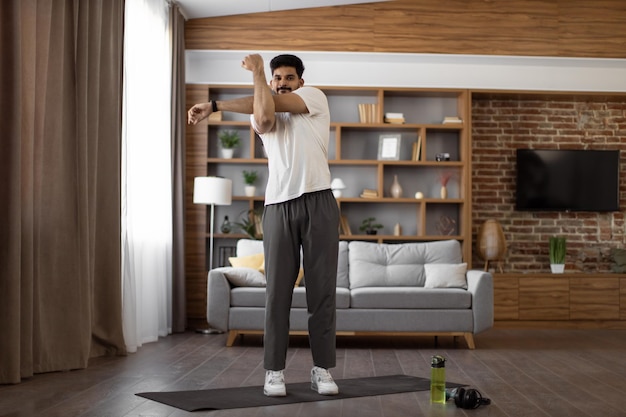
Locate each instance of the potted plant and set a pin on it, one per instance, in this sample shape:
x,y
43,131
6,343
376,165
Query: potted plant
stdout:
x,y
557,249
249,177
369,226
229,139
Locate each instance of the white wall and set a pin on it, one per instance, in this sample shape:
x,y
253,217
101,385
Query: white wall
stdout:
x,y
423,70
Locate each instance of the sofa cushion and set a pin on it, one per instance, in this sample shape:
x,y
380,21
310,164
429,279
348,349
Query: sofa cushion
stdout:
x,y
255,297
255,261
343,269
445,275
383,265
247,247
245,277
410,298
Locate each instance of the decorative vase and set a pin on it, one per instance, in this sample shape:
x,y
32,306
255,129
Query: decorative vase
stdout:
x,y
396,188
491,243
226,227
397,230
250,190
227,153
444,191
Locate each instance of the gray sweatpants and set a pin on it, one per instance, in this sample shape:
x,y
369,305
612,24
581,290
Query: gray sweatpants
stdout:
x,y
311,222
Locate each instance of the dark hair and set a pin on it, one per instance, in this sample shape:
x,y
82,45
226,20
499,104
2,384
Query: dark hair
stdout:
x,y
287,61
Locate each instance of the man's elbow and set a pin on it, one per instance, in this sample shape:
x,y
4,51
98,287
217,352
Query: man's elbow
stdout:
x,y
264,124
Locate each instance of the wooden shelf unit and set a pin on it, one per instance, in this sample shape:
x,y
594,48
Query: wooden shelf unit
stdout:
x,y
560,300
353,156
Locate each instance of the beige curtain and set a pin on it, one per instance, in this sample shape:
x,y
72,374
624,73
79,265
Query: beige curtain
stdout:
x,y
177,26
60,129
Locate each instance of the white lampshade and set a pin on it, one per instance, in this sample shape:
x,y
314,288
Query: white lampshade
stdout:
x,y
337,184
212,190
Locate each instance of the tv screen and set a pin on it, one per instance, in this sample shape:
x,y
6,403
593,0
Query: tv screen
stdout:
x,y
567,180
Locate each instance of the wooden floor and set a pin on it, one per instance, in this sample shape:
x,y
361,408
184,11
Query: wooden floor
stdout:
x,y
524,372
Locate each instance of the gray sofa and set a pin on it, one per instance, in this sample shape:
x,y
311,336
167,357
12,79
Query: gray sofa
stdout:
x,y
395,289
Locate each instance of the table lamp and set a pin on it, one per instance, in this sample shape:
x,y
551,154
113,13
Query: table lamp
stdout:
x,y
337,185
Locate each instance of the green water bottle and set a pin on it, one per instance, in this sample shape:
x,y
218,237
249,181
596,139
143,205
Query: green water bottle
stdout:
x,y
438,380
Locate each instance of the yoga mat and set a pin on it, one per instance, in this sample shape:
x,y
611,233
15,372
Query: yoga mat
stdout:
x,y
252,396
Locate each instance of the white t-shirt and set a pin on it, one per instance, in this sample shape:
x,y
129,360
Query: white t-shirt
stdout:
x,y
297,149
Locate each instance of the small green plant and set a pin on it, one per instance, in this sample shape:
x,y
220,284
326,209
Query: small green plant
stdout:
x,y
369,226
558,247
229,139
249,177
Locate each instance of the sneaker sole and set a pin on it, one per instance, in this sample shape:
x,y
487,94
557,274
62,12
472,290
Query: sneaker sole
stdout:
x,y
275,394
314,388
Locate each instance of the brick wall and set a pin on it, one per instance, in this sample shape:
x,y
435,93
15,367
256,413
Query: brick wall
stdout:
x,y
503,123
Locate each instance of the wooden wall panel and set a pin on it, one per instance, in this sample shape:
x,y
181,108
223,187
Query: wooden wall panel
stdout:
x,y
597,27
468,27
622,298
196,151
323,29
575,28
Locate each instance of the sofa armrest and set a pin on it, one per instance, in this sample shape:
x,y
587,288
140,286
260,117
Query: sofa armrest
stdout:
x,y
480,284
218,299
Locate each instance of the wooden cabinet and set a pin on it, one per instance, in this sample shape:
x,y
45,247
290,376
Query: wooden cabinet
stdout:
x,y
594,298
354,156
506,298
567,299
542,298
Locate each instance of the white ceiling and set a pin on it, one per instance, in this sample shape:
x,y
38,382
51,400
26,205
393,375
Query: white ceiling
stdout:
x,y
195,9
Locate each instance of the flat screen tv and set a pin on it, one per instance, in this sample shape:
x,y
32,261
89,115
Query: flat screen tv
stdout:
x,y
567,180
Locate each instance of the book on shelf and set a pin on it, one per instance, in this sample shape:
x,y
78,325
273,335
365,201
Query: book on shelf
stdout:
x,y
394,118
369,193
368,113
417,149
452,119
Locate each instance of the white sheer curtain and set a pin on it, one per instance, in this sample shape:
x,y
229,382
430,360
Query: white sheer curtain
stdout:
x,y
146,175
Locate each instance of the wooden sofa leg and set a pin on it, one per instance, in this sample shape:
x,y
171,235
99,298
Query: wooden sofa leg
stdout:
x,y
232,336
469,339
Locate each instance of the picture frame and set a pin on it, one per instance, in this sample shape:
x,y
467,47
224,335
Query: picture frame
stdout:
x,y
389,147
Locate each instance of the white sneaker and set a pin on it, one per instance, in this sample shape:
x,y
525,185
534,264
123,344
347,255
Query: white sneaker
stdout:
x,y
274,384
322,382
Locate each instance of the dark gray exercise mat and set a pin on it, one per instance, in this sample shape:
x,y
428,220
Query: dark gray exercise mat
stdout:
x,y
252,396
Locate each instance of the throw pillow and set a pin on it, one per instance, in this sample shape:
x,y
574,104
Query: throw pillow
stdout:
x,y
445,275
245,277
298,279
256,261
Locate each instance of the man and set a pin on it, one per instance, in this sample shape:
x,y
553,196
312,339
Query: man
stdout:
x,y
300,211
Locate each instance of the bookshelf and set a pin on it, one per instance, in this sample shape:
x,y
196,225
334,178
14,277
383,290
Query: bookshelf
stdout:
x,y
355,157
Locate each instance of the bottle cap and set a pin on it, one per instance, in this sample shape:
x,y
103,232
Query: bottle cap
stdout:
x,y
438,361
